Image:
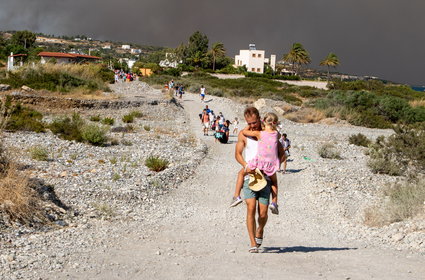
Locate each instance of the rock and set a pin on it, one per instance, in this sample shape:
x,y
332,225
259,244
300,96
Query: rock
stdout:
x,y
398,237
4,87
27,89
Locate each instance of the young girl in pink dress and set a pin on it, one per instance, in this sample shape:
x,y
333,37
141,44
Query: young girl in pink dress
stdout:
x,y
267,159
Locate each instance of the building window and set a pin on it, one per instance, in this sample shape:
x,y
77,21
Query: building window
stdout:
x,y
253,69
258,70
253,55
259,55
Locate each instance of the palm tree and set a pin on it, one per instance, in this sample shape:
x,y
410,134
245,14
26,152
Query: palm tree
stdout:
x,y
297,55
217,50
330,61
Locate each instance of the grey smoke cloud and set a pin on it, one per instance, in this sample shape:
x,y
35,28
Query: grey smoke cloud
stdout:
x,y
371,37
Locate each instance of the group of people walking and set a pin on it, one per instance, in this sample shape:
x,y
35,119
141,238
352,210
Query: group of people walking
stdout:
x,y
177,88
218,124
122,76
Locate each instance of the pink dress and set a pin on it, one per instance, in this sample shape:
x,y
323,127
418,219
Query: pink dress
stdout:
x,y
267,155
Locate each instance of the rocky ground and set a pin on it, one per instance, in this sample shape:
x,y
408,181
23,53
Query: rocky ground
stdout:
x,y
128,222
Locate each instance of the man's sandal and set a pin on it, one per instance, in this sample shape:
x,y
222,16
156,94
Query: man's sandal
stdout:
x,y
253,250
259,241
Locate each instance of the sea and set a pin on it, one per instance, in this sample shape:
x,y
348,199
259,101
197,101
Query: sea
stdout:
x,y
419,88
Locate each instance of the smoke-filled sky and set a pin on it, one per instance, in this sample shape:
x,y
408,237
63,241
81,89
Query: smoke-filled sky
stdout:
x,y
384,38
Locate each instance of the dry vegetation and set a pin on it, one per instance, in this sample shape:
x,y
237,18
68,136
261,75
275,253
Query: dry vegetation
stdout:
x,y
305,115
400,201
21,198
417,103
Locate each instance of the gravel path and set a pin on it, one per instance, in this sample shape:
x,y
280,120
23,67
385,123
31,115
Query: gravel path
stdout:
x,y
191,233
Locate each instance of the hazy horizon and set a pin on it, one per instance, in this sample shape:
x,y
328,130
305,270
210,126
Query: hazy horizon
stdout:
x,y
375,38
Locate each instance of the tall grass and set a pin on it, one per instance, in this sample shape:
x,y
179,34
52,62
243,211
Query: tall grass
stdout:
x,y
61,77
400,202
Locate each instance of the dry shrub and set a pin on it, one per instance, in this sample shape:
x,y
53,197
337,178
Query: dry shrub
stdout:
x,y
417,103
18,201
400,201
305,115
165,131
328,150
374,217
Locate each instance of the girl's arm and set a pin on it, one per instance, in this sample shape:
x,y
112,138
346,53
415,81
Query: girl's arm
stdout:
x,y
250,133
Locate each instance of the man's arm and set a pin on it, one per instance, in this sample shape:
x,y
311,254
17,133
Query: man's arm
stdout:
x,y
240,146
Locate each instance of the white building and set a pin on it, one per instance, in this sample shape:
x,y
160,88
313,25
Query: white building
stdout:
x,y
125,47
254,59
170,61
138,51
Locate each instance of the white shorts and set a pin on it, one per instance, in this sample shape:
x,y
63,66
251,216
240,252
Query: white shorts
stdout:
x,y
206,124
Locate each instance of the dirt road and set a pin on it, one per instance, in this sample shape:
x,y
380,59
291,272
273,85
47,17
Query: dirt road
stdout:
x,y
197,236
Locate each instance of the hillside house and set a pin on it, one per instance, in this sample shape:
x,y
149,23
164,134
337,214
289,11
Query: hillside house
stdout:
x,y
13,59
136,51
65,58
125,47
170,61
254,60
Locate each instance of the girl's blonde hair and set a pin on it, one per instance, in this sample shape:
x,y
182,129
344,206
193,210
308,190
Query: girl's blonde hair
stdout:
x,y
271,119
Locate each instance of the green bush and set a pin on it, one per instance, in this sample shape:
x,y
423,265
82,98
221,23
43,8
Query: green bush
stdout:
x,y
384,166
401,152
137,114
39,153
268,76
359,140
94,135
108,121
68,128
156,164
329,150
370,109
147,127
175,72
22,118
129,118
95,118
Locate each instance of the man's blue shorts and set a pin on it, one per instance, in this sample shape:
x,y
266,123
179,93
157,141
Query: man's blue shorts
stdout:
x,y
263,196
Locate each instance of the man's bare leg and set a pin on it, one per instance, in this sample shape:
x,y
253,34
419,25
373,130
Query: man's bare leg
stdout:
x,y
262,219
250,219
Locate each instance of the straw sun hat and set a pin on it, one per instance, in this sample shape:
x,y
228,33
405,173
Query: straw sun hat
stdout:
x,y
257,181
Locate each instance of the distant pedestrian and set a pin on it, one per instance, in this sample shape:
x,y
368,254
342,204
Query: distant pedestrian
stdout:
x,y
236,126
181,91
202,93
176,88
286,144
205,119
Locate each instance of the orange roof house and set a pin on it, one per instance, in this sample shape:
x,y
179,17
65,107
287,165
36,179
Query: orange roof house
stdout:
x,y
63,58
